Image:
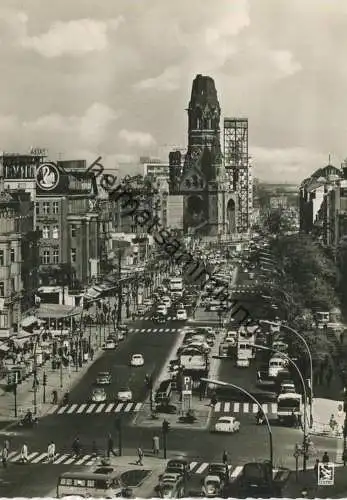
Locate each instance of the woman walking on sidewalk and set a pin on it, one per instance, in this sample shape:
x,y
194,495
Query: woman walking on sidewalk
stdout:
x,y
51,452
4,457
24,454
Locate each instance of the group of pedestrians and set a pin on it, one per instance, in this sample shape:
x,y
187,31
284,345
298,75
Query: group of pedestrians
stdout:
x,y
24,453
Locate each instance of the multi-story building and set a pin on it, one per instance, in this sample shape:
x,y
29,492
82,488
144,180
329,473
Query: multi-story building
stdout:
x,y
313,200
18,256
68,217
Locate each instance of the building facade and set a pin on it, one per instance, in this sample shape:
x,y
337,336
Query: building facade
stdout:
x,y
68,218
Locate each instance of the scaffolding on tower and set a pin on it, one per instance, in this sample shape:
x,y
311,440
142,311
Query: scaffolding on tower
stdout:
x,y
237,165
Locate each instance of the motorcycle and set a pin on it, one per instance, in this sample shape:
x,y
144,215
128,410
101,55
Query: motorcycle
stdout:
x,y
28,423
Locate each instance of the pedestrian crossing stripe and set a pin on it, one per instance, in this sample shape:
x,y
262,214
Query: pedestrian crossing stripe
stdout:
x,y
235,407
38,457
155,330
166,318
94,408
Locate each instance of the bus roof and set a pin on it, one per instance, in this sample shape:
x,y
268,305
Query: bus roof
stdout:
x,y
89,475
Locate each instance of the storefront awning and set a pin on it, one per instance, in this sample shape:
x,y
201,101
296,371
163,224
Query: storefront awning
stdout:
x,y
57,311
91,294
4,348
30,321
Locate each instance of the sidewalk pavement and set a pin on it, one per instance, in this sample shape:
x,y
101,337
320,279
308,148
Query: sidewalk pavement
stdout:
x,y
25,393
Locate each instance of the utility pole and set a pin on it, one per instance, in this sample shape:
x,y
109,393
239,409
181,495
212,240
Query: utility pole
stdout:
x,y
149,383
44,383
119,431
165,430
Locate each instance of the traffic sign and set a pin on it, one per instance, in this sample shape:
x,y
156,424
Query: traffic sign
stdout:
x,y
326,474
187,385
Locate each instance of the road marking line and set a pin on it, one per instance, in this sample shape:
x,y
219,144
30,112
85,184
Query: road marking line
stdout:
x,y
91,408
61,459
72,408
201,469
226,407
39,458
52,410
265,408
138,407
255,408
273,408
161,329
83,459
109,408
100,408
62,409
128,407
12,454
14,457
217,407
236,472
131,330
155,330
82,407
236,407
118,407
192,465
245,407
168,329
69,461
143,330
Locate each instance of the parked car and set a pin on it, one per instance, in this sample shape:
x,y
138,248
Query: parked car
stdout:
x,y
99,395
227,424
110,345
103,378
124,395
212,486
178,465
137,360
219,469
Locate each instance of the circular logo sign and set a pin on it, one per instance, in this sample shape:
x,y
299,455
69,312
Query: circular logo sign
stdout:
x,y
340,408
47,176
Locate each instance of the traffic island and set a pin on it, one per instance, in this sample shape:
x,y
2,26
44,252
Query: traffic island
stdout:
x,y
133,478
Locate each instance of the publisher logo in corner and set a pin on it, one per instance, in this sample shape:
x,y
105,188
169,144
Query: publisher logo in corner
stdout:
x,y
326,474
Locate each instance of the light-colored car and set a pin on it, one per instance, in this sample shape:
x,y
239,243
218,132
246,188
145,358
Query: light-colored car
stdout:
x,y
110,345
227,424
231,337
98,395
181,314
103,378
162,309
166,301
137,360
124,395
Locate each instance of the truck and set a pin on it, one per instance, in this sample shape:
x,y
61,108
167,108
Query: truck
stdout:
x,y
288,404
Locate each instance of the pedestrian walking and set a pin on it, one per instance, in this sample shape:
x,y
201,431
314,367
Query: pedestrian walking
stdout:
x,y
51,451
4,457
140,454
76,447
94,449
110,447
156,445
225,457
7,445
24,454
325,458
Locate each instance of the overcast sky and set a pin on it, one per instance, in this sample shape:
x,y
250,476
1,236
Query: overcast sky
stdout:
x,y
113,77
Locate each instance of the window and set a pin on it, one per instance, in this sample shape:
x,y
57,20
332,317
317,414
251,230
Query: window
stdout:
x,y
45,232
45,257
45,207
3,320
73,231
12,255
55,233
133,229
13,285
55,256
2,258
73,254
55,207
2,289
37,208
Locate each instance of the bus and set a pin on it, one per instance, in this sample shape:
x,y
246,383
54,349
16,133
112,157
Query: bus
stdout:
x,y
90,484
176,285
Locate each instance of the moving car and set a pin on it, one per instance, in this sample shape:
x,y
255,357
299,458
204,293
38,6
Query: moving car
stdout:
x,y
181,314
137,360
166,301
124,395
212,486
162,309
179,466
99,395
227,424
110,344
103,378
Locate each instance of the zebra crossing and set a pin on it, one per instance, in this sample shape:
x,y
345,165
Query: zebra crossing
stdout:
x,y
94,408
155,330
37,457
235,407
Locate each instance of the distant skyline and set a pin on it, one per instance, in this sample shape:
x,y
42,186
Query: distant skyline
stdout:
x,y
113,78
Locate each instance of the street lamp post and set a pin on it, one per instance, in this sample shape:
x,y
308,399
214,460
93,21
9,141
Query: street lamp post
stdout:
x,y
294,332
241,389
291,361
